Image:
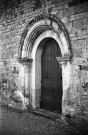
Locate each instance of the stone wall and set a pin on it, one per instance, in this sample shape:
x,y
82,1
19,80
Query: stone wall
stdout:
x,y
13,21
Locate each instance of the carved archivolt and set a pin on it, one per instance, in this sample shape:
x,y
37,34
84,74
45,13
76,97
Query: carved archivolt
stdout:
x,y
38,26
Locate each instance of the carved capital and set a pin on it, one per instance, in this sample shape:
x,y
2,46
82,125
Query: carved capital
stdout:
x,y
26,61
63,60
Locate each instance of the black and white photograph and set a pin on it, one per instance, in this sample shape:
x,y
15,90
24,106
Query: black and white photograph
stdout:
x,y
43,67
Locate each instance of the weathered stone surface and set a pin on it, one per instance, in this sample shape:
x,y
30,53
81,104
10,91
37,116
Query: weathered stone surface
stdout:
x,y
79,24
13,31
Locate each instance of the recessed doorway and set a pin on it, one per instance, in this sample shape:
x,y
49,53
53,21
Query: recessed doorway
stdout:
x,y
33,45
51,77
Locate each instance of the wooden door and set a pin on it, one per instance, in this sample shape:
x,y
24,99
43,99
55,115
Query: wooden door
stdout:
x,y
51,82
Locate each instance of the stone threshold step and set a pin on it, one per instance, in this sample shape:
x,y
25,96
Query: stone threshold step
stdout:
x,y
41,112
46,113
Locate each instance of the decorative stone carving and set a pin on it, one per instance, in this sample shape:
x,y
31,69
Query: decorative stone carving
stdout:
x,y
48,24
63,60
26,61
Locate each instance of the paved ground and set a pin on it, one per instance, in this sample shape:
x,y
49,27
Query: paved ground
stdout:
x,y
25,123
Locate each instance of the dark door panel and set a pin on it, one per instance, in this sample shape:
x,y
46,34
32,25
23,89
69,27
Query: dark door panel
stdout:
x,y
51,86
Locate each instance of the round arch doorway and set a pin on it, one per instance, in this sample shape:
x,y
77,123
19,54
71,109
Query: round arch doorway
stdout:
x,y
38,31
51,76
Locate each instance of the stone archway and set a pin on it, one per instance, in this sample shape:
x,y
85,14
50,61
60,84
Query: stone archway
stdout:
x,y
38,30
